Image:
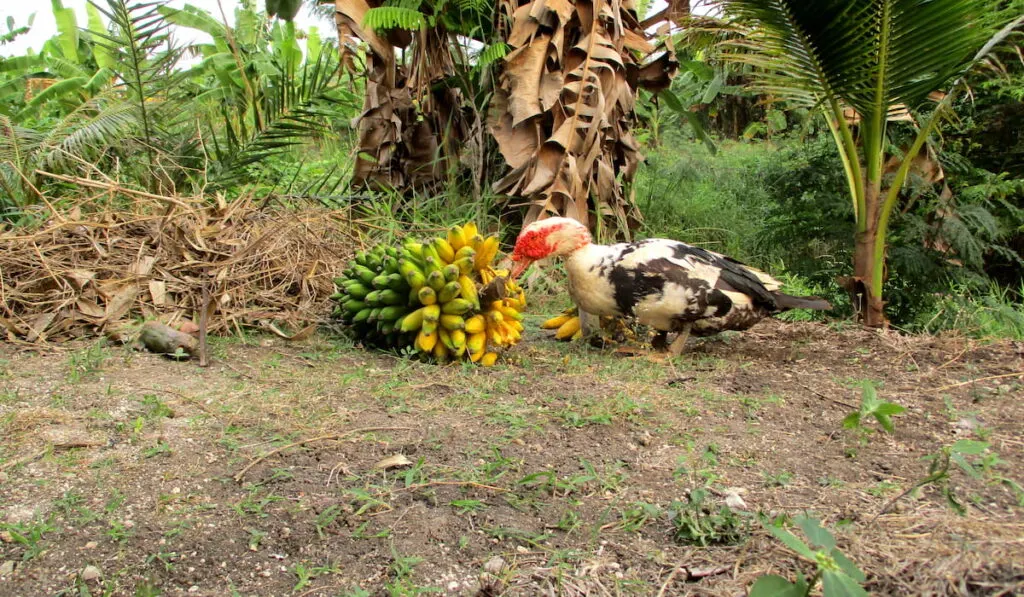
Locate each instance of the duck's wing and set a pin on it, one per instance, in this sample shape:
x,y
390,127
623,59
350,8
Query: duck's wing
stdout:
x,y
732,275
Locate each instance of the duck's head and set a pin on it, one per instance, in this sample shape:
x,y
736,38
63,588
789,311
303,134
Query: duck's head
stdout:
x,y
553,237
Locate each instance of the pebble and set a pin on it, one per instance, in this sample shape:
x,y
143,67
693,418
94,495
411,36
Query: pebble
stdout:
x,y
91,573
91,545
494,565
7,568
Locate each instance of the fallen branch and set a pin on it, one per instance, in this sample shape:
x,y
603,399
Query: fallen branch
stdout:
x,y
970,381
23,460
334,436
458,483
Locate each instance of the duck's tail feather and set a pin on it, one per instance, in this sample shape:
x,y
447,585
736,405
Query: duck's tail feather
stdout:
x,y
785,301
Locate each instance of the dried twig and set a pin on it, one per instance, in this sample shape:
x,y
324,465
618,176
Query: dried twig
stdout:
x,y
334,436
668,581
457,483
970,381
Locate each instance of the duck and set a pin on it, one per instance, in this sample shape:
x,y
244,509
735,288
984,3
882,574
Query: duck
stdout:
x,y
665,284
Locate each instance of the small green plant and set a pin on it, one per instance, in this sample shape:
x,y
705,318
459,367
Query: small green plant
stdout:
x,y
326,519
938,475
839,576
160,449
695,522
872,406
638,514
29,535
85,362
467,506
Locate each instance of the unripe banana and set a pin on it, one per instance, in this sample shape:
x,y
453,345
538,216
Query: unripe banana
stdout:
x,y
451,272
391,297
380,281
361,315
391,313
432,313
464,252
427,296
436,280
357,290
452,322
446,339
456,306
413,321
448,292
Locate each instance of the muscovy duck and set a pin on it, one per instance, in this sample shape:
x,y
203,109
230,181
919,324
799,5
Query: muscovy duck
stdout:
x,y
668,285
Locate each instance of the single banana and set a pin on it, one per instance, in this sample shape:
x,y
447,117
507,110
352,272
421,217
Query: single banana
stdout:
x,y
568,329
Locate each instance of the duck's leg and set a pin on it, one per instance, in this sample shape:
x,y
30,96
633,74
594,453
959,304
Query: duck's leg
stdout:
x,y
590,328
677,345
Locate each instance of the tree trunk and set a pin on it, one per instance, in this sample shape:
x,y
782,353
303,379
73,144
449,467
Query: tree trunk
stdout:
x,y
867,300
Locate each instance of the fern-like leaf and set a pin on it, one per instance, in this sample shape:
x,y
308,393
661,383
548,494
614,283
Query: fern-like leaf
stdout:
x,y
392,17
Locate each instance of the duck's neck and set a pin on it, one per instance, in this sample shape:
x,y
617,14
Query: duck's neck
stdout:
x,y
585,259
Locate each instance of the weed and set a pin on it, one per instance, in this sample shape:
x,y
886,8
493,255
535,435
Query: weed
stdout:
x,y
254,504
779,479
29,535
839,576
256,536
696,523
570,521
872,406
119,531
326,518
155,408
467,506
162,448
638,514
86,361
306,574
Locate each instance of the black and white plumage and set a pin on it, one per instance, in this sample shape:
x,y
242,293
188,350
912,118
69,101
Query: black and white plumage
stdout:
x,y
666,284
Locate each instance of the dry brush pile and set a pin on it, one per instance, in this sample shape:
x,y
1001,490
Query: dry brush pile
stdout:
x,y
91,270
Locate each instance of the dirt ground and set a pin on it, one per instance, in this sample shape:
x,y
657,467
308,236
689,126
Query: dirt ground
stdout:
x,y
564,470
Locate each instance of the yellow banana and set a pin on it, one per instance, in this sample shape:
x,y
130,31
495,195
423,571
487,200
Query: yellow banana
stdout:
x,y
468,291
489,359
441,352
458,342
476,356
568,329
444,250
457,237
426,341
475,324
509,313
469,231
476,342
555,322
486,253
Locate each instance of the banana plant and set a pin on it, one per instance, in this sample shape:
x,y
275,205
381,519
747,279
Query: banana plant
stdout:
x,y
860,62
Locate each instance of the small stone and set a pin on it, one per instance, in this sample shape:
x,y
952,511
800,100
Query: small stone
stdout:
x,y
91,573
7,568
494,565
91,545
454,585
193,589
522,549
6,537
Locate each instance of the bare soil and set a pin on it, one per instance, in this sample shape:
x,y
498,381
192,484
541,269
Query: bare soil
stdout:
x,y
124,473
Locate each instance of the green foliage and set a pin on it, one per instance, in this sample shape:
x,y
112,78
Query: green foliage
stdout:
x,y
839,576
402,16
695,522
872,406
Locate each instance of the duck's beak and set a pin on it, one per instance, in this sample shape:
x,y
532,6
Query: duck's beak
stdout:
x,y
518,268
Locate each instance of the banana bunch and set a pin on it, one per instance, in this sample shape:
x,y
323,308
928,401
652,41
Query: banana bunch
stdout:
x,y
372,296
429,298
566,324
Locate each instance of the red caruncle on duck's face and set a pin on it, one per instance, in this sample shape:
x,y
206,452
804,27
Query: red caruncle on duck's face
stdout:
x,y
532,245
